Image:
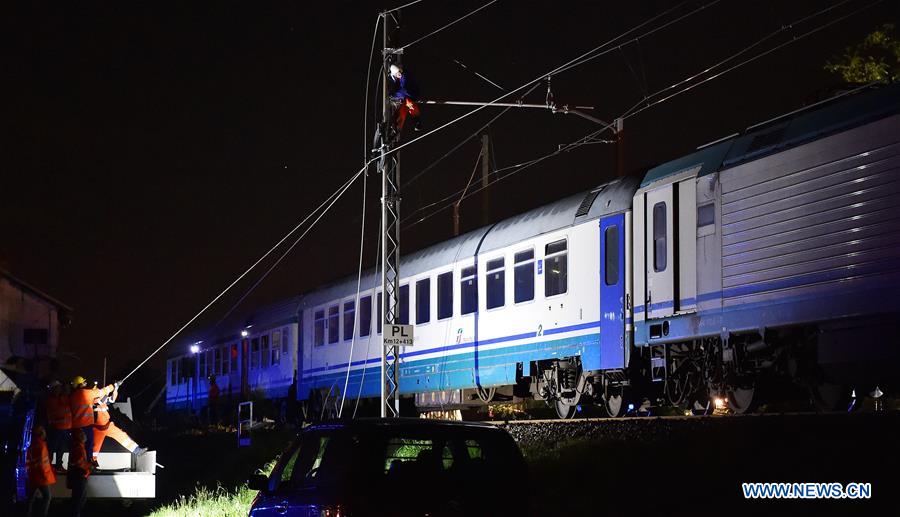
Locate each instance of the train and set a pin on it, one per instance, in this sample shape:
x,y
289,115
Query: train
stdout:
x,y
767,256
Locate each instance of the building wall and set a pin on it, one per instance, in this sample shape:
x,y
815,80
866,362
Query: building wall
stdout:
x,y
21,311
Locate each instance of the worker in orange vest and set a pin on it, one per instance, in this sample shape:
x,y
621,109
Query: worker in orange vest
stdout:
x,y
105,427
82,403
79,471
40,473
59,420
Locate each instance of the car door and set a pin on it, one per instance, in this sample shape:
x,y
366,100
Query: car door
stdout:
x,y
612,292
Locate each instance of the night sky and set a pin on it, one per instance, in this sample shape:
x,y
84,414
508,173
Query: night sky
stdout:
x,y
157,150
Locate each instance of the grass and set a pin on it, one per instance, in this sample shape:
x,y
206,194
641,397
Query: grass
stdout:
x,y
218,501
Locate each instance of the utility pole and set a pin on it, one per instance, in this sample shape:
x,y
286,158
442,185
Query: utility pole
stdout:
x,y
485,170
389,166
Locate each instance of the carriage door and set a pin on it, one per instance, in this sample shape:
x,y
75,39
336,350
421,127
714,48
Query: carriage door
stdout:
x,y
612,292
660,252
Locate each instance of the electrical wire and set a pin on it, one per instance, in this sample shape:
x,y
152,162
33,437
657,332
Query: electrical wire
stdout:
x,y
634,110
362,379
366,147
402,7
587,139
454,22
251,268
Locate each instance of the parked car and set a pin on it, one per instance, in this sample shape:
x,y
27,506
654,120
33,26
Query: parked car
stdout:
x,y
405,466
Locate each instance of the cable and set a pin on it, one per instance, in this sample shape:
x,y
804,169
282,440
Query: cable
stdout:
x,y
454,22
362,240
634,111
362,379
402,7
462,142
240,277
366,147
565,66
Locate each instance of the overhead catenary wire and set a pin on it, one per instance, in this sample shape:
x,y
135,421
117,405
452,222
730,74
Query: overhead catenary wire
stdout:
x,y
454,22
587,139
404,6
240,277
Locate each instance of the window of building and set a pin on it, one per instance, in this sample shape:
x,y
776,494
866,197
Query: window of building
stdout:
x,y
659,237
556,268
254,353
496,283
349,319
365,316
445,295
265,356
524,276
403,316
319,328
234,357
468,290
334,324
611,264
423,301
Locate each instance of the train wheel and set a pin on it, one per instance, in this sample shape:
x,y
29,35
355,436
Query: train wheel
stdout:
x,y
827,397
614,401
564,410
742,400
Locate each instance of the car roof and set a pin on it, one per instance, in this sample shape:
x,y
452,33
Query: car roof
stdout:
x,y
403,423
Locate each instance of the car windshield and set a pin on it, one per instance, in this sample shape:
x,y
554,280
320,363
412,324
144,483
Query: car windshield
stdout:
x,y
410,456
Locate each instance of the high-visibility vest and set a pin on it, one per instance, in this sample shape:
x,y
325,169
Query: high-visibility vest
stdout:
x,y
37,464
82,404
78,459
101,409
59,412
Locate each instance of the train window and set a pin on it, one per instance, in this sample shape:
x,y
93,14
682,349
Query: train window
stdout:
x,y
265,351
524,276
468,290
659,237
334,326
276,351
423,301
319,328
285,340
611,264
403,316
556,268
706,214
217,361
445,295
225,361
379,315
349,319
173,372
365,316
496,283
234,357
276,342
254,353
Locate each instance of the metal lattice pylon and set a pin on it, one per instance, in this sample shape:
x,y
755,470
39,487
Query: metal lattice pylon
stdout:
x,y
389,166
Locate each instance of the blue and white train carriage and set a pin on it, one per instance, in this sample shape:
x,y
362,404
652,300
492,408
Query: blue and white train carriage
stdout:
x,y
774,252
253,354
523,298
